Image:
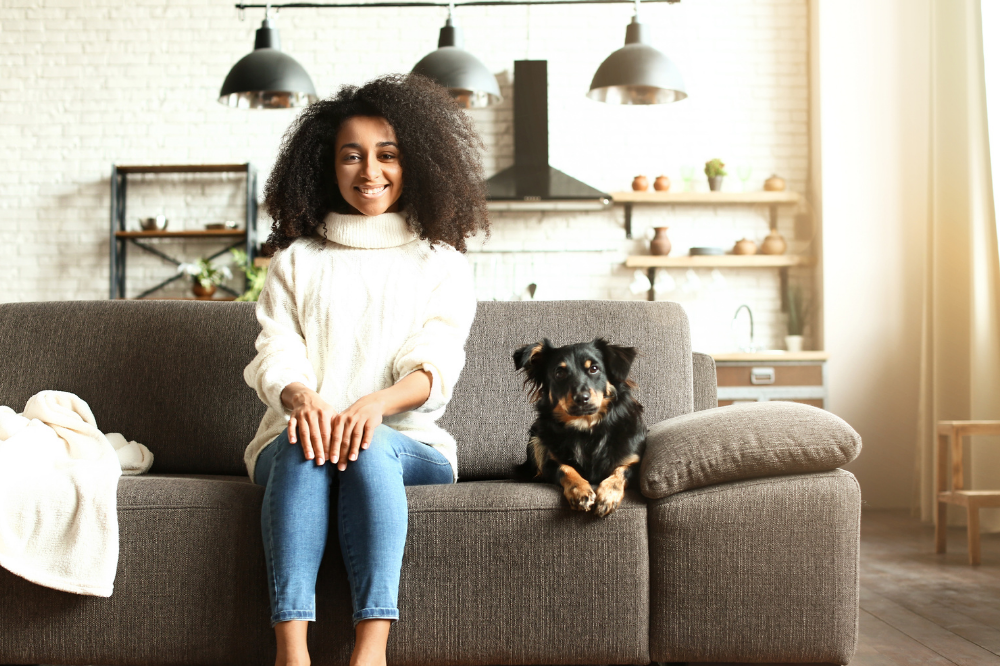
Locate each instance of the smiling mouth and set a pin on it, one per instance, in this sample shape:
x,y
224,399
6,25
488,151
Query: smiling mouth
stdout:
x,y
372,191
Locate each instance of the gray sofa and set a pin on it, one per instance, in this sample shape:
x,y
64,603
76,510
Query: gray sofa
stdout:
x,y
495,571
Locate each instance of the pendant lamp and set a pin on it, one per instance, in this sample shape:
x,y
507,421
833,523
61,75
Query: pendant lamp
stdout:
x,y
267,78
637,73
466,78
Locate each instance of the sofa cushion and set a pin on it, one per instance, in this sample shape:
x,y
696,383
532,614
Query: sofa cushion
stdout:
x,y
489,413
741,442
168,374
493,572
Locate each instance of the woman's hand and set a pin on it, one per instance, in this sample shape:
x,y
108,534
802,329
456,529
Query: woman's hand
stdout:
x,y
309,425
353,429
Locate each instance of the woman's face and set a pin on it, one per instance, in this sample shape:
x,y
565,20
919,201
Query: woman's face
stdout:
x,y
369,174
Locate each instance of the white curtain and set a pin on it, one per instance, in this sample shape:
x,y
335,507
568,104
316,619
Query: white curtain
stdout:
x,y
960,350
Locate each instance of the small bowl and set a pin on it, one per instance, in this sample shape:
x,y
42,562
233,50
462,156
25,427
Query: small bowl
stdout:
x,y
158,223
228,224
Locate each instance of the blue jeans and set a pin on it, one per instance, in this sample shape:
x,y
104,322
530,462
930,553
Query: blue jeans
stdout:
x,y
371,520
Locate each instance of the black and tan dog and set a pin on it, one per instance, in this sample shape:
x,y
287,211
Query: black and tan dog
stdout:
x,y
589,431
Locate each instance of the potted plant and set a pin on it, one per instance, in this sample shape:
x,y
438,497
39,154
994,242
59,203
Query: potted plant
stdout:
x,y
205,276
715,170
255,276
798,313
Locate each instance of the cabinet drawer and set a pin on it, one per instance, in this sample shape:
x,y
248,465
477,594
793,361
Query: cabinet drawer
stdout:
x,y
783,375
814,402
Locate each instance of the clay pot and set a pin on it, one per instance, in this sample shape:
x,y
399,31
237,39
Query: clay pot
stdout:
x,y
745,246
773,244
202,292
640,184
660,245
774,184
715,183
661,184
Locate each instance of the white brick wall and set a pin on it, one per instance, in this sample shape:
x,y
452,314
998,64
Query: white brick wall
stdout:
x,y
88,84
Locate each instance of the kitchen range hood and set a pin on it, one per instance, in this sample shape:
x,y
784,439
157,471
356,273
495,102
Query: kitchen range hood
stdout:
x,y
531,179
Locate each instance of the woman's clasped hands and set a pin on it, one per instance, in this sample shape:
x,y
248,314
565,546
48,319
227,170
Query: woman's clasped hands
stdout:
x,y
323,433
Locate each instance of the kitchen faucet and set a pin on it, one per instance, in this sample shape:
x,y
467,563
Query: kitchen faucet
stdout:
x,y
750,346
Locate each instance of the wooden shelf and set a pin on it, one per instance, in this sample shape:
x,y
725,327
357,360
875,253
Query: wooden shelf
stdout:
x,y
185,168
719,261
707,198
220,299
191,233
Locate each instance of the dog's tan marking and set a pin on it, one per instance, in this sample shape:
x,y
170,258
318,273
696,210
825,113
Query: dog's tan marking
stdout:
x,y
563,365
580,422
612,489
587,364
610,391
576,489
539,452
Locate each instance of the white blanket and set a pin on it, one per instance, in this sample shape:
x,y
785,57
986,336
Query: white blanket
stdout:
x,y
58,493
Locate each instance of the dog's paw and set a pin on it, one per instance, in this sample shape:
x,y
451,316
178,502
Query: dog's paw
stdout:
x,y
581,496
609,496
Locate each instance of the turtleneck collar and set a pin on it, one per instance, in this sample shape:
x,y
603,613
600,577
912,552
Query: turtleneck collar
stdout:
x,y
368,232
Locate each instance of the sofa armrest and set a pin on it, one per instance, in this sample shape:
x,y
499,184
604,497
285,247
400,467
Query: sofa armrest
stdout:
x,y
706,393
743,442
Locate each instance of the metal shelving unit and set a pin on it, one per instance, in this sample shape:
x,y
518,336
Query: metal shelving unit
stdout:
x,y
120,238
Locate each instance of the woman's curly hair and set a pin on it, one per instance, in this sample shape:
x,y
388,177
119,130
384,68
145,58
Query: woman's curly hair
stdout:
x,y
444,190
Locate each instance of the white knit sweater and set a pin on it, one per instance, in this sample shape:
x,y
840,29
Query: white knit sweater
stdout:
x,y
354,310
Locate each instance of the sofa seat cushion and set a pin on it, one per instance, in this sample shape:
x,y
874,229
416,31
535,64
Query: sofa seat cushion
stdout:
x,y
743,442
502,572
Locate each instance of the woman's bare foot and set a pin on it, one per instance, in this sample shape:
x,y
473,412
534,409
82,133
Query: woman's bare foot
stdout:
x,y
292,648
370,639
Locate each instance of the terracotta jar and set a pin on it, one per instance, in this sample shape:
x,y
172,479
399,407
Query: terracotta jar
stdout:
x,y
640,184
774,184
773,244
660,245
202,292
745,246
661,184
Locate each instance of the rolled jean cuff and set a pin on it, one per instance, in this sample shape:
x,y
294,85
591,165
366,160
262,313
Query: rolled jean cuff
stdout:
x,y
285,616
376,614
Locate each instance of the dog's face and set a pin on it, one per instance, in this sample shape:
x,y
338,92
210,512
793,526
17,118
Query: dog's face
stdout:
x,y
578,381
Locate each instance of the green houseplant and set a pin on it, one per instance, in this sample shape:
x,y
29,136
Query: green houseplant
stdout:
x,y
798,313
715,170
255,276
205,276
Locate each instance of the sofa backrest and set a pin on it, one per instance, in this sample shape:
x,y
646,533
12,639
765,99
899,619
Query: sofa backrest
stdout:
x,y
169,374
489,413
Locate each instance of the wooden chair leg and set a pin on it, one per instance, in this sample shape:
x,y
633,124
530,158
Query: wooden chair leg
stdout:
x,y
973,523
941,528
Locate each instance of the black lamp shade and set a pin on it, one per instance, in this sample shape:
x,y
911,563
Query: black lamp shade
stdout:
x,y
637,74
266,78
466,78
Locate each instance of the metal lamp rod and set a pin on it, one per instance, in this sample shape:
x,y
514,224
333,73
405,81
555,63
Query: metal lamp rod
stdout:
x,y
423,3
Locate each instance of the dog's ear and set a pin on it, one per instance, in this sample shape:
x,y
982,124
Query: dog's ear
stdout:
x,y
530,359
617,360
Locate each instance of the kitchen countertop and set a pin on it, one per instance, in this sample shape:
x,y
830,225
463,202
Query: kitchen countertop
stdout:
x,y
771,356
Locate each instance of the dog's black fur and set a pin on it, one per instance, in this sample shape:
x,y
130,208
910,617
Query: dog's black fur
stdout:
x,y
589,432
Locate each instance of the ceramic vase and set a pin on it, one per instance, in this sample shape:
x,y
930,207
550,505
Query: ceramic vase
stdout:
x,y
661,184
773,244
745,246
715,183
774,184
660,245
202,292
640,184
793,343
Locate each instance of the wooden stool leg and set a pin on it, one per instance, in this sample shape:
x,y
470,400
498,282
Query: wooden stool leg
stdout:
x,y
973,533
941,528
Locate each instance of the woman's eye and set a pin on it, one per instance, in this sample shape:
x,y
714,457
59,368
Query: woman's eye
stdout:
x,y
388,156
594,369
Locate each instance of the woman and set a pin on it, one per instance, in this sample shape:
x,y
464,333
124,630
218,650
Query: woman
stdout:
x,y
364,316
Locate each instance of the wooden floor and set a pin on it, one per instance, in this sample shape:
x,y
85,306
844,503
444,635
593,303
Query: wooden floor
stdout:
x,y
918,607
